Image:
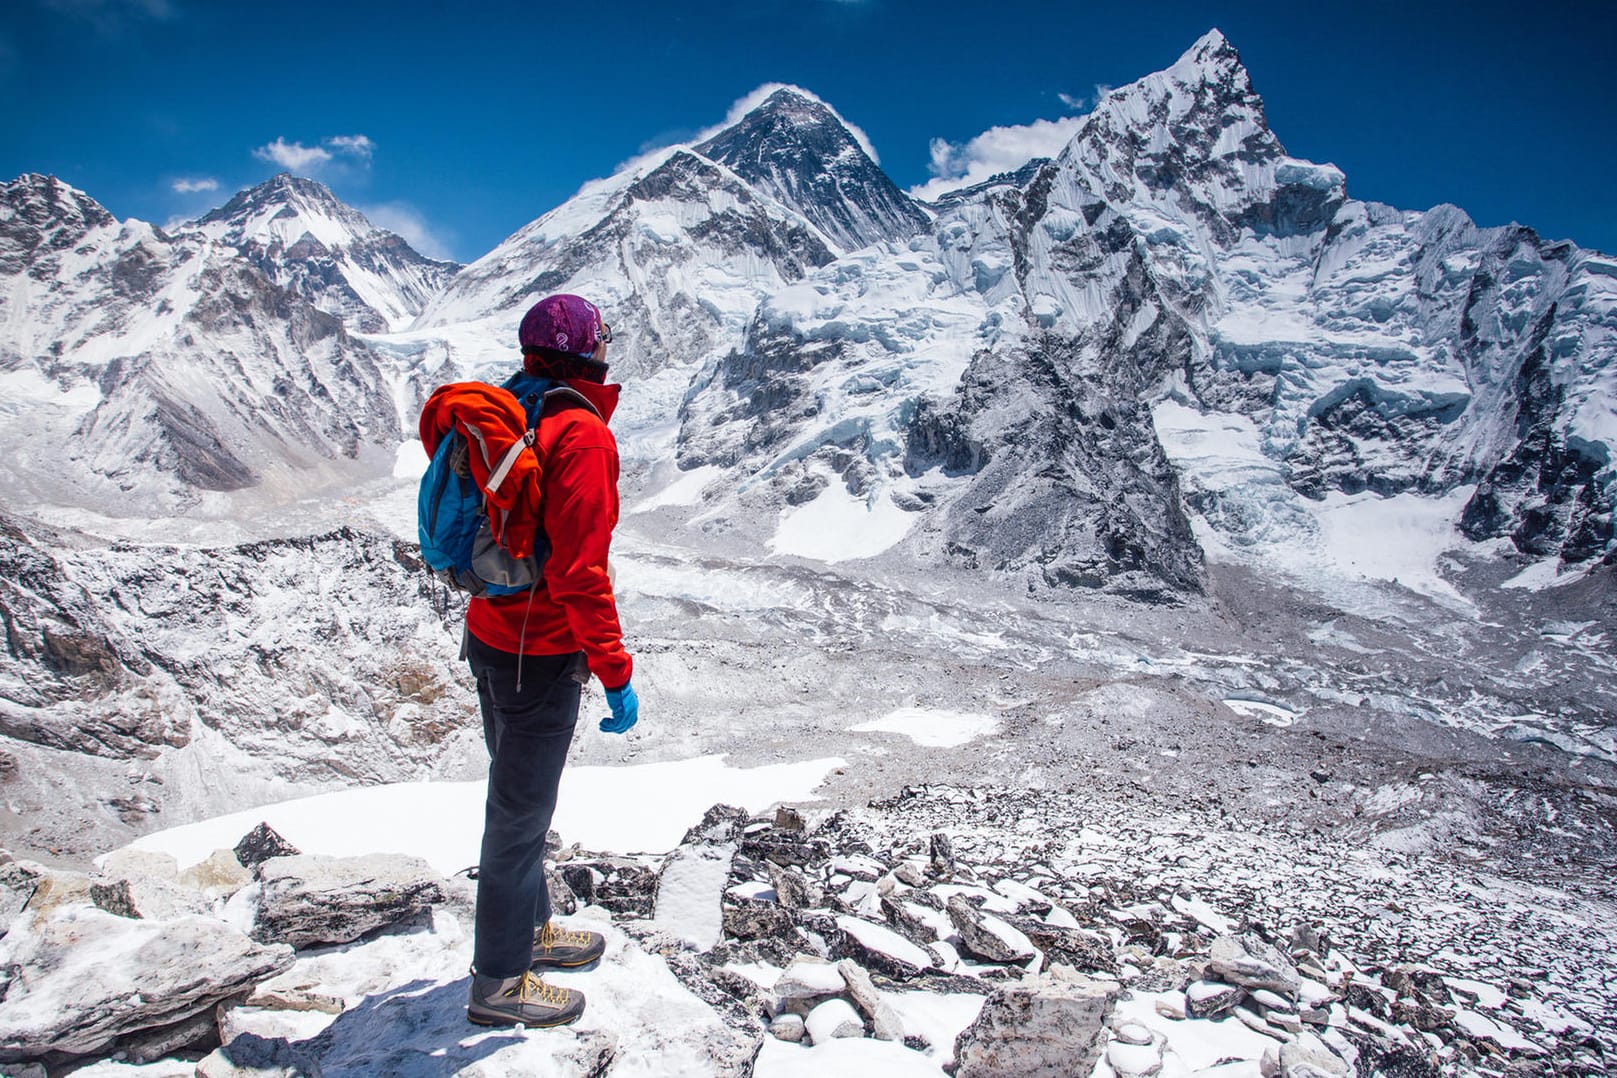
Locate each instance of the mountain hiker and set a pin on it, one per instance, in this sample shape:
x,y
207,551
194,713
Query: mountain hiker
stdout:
x,y
532,652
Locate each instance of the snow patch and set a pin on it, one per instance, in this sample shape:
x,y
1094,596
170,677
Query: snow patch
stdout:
x,y
840,526
685,490
1273,714
934,729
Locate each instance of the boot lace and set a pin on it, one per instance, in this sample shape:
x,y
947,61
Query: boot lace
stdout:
x,y
551,936
534,990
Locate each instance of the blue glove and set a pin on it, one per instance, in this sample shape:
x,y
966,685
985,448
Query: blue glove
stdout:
x,y
625,710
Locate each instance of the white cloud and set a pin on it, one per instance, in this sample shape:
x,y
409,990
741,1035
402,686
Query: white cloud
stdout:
x,y
1074,103
186,187
353,145
294,156
405,220
999,149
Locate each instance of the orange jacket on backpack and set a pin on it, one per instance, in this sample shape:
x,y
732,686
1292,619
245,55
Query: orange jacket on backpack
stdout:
x,y
491,418
573,607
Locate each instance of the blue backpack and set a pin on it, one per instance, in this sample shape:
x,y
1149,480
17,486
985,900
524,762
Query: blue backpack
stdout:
x,y
456,541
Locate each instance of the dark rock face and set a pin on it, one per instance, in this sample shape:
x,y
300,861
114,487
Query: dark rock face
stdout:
x,y
59,649
1069,479
47,216
1551,494
796,150
262,843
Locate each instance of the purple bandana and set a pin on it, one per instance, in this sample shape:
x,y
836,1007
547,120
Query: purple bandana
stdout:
x,y
563,322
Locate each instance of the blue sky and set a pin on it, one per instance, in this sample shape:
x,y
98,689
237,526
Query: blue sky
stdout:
x,y
456,124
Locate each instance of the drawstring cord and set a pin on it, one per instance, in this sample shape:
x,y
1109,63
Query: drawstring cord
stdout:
x,y
522,640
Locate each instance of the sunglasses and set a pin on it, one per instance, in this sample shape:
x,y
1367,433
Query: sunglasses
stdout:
x,y
604,334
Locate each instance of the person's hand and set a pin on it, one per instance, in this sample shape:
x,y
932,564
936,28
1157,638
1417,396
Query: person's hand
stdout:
x,y
625,710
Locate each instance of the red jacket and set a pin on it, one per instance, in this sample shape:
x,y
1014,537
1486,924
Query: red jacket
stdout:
x,y
573,607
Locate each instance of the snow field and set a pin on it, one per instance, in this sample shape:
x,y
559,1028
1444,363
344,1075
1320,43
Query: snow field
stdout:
x,y
1341,539
839,526
642,808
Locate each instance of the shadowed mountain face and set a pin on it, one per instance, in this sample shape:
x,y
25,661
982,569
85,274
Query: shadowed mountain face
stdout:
x,y
795,149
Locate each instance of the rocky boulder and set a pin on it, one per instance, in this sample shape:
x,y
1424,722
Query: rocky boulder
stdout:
x,y
262,843
309,900
147,897
1251,963
1042,1028
81,978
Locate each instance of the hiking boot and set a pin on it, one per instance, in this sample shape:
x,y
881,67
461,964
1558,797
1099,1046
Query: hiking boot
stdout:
x,y
553,946
523,999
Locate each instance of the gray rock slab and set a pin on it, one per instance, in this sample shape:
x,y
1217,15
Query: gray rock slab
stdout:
x,y
1252,963
309,900
150,898
885,1024
1299,1062
1209,999
55,889
986,936
84,977
130,863
1042,1028
809,977
876,947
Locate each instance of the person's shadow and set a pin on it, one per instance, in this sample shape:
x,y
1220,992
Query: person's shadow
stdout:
x,y
419,1030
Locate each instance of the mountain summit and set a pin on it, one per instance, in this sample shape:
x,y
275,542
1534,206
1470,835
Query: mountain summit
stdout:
x,y
796,149
311,243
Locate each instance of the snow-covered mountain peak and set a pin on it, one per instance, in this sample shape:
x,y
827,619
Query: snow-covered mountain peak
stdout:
x,y
1202,106
1211,55
284,209
798,150
38,210
307,240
